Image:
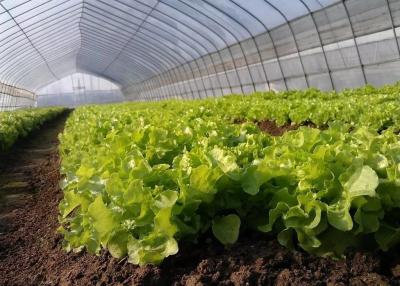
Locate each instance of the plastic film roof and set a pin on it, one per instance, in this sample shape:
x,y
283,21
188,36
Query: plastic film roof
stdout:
x,y
127,41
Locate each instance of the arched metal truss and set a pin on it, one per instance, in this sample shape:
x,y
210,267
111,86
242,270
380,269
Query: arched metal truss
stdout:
x,y
158,49
13,98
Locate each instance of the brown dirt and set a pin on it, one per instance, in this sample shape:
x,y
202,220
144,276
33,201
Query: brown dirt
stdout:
x,y
31,254
272,128
18,167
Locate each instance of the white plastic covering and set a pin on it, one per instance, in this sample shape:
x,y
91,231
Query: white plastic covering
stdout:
x,y
79,89
13,98
158,49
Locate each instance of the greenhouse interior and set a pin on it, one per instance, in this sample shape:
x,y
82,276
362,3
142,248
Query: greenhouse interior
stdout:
x,y
200,142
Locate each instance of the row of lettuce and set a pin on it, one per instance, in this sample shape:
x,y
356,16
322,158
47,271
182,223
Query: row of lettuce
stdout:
x,y
140,177
15,125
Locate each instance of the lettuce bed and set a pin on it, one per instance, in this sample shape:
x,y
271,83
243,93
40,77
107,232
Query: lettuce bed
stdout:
x,y
18,124
140,177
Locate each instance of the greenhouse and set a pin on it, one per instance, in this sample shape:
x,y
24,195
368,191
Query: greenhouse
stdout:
x,y
199,142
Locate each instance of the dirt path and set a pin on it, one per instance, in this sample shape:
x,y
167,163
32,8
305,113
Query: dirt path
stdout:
x,y
19,179
31,252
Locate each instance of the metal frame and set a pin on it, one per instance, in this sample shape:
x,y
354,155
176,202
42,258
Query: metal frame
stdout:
x,y
163,30
211,42
312,15
30,41
11,93
221,38
344,2
393,26
218,50
259,52
228,48
240,43
160,50
294,39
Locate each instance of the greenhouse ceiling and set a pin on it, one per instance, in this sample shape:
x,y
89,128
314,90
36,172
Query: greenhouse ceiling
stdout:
x,y
127,41
199,48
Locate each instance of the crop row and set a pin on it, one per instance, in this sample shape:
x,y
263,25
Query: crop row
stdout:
x,y
18,124
140,177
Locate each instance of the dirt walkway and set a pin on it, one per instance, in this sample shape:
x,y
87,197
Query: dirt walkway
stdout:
x,y
19,178
31,252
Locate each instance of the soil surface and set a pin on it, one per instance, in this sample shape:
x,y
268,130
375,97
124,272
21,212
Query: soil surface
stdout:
x,y
272,128
31,253
19,166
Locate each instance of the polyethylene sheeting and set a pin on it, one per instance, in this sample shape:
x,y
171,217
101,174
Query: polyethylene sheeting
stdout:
x,y
74,99
79,89
200,48
345,44
13,98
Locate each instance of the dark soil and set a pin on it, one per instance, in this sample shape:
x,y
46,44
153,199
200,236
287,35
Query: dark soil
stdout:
x,y
272,128
31,254
19,166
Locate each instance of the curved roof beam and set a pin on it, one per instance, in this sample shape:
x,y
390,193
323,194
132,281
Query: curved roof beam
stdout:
x,y
131,42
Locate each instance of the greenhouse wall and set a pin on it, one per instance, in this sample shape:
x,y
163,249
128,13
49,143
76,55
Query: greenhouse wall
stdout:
x,y
346,45
12,98
74,99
